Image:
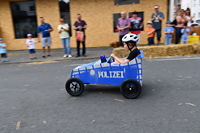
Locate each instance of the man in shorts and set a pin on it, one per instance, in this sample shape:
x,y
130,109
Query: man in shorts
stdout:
x,y
45,30
157,18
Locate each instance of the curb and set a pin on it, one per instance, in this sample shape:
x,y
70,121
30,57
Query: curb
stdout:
x,y
65,59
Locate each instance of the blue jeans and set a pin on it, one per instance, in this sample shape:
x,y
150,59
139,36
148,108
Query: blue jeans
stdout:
x,y
168,40
184,41
66,45
178,35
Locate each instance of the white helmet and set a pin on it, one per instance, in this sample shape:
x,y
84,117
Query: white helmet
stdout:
x,y
130,37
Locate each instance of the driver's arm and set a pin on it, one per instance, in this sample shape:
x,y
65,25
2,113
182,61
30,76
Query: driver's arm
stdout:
x,y
118,60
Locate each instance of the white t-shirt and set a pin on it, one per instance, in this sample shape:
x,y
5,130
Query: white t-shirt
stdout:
x,y
30,43
63,34
189,23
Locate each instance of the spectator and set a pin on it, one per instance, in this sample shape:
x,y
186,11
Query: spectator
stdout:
x,y
185,32
80,27
150,33
169,30
123,25
180,20
189,17
63,29
136,25
31,46
157,19
3,51
45,30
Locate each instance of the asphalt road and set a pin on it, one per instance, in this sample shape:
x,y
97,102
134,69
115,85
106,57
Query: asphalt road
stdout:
x,y
33,100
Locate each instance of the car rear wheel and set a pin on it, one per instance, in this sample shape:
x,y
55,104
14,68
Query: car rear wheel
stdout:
x,y
74,87
130,88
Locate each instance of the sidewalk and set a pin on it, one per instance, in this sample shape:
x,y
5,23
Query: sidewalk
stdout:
x,y
22,56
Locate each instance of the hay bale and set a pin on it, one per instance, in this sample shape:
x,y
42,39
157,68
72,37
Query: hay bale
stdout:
x,y
180,50
153,51
120,52
196,47
161,51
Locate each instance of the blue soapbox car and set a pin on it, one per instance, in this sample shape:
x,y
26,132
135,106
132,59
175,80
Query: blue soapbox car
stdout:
x,y
127,75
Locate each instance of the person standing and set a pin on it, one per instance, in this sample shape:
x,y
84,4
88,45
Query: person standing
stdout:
x,y
169,30
136,25
45,29
80,26
185,33
157,18
150,33
30,42
123,25
63,29
3,51
180,20
189,17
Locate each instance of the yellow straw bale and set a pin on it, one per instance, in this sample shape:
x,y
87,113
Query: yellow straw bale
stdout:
x,y
164,50
120,52
153,51
196,47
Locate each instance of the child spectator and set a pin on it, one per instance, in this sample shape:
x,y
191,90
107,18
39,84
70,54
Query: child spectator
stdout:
x,y
150,33
185,32
169,30
31,46
3,51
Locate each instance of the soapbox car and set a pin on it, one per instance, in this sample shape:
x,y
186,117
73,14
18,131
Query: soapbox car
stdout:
x,y
127,75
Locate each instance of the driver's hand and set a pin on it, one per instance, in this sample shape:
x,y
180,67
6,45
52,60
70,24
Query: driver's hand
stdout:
x,y
112,55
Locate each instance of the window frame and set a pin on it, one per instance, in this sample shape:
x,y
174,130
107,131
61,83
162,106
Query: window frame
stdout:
x,y
13,20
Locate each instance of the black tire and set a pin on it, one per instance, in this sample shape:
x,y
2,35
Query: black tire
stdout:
x,y
74,87
130,88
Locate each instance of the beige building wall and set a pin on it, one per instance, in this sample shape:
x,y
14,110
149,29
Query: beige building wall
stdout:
x,y
49,9
98,15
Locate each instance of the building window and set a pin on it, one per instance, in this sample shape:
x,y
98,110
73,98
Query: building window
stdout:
x,y
125,2
199,14
24,18
194,3
118,15
65,13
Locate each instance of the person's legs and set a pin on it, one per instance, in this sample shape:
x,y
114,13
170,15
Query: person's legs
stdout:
x,y
148,39
152,40
2,57
49,50
158,36
83,49
49,45
138,42
44,43
120,40
78,48
166,40
67,42
170,40
178,35
64,46
34,55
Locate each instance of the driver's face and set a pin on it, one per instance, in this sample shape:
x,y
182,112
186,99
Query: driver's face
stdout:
x,y
125,46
